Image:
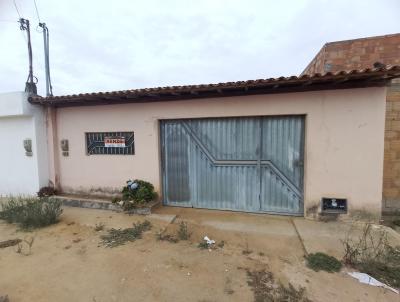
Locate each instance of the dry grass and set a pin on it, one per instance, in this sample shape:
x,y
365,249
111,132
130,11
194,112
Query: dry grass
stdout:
x,y
116,237
372,254
266,289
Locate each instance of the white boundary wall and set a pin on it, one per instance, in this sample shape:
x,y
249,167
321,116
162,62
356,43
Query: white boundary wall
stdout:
x,y
19,120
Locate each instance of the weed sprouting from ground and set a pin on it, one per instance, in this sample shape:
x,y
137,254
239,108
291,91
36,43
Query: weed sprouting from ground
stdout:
x,y
183,233
99,227
30,213
290,293
324,262
369,246
166,237
203,245
116,237
372,254
24,247
247,251
266,289
221,244
207,245
4,298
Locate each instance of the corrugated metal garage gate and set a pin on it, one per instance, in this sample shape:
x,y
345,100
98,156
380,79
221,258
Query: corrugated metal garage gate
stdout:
x,y
252,164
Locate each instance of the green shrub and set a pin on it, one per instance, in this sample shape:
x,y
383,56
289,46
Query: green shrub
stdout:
x,y
324,262
46,192
142,194
136,193
31,213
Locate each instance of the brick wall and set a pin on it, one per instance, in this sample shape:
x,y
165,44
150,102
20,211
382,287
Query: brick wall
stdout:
x,y
360,54
391,169
356,54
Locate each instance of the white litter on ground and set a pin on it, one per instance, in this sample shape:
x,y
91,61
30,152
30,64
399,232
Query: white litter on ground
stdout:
x,y
367,279
209,241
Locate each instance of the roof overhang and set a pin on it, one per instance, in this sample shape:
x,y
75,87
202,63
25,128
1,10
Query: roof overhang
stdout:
x,y
329,81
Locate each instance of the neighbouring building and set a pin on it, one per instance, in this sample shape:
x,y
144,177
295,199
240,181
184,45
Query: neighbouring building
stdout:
x,y
360,54
290,145
23,153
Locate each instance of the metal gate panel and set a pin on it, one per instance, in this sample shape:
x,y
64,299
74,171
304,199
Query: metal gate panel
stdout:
x,y
276,196
176,180
225,187
282,179
282,144
228,138
247,164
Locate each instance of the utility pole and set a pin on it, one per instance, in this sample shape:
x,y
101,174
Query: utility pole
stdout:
x,y
30,85
49,88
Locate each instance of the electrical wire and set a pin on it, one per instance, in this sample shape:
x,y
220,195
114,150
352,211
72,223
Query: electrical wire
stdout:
x,y
16,8
26,40
37,11
19,15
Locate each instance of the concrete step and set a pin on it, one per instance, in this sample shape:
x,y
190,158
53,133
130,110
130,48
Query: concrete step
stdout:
x,y
99,204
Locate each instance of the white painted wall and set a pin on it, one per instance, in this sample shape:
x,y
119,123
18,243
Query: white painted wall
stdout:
x,y
19,120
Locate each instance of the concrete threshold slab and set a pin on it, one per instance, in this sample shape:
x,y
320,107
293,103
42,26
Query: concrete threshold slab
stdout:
x,y
110,219
323,237
163,217
89,203
282,228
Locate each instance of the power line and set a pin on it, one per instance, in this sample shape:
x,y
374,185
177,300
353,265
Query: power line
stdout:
x,y
19,20
16,8
31,84
37,11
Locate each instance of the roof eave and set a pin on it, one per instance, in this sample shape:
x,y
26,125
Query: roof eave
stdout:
x,y
344,80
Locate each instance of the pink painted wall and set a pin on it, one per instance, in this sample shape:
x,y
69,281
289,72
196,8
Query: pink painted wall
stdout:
x,y
343,147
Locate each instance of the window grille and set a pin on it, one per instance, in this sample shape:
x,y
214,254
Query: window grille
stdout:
x,y
110,143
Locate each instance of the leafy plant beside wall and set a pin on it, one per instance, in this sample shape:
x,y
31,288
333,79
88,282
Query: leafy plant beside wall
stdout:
x,y
136,193
46,192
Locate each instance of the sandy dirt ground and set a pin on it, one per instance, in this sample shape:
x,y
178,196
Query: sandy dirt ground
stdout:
x,y
67,263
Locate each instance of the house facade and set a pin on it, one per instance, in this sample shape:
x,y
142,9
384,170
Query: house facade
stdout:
x,y
294,146
360,54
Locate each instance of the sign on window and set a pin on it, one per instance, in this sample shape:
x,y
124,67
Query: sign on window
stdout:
x,y
114,142
111,143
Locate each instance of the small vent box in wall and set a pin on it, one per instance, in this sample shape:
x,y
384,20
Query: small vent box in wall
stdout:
x,y
334,205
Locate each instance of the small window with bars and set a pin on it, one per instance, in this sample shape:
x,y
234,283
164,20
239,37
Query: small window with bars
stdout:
x,y
110,143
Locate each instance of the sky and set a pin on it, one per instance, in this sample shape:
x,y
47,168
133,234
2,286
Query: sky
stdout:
x,y
99,45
